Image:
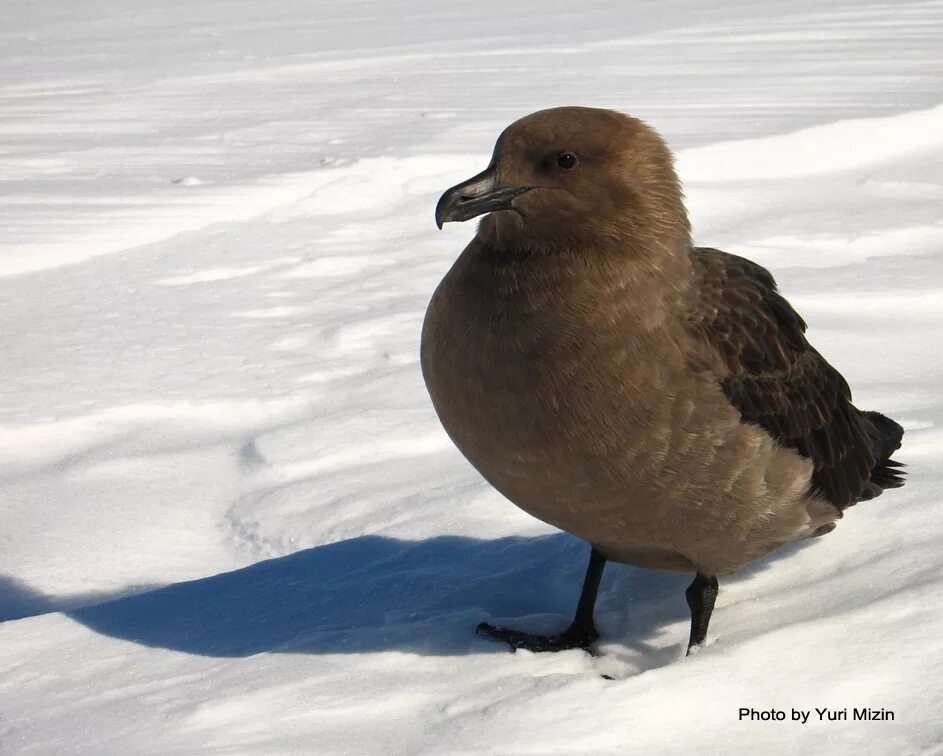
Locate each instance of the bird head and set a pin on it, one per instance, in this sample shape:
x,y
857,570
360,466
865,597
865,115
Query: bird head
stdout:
x,y
567,177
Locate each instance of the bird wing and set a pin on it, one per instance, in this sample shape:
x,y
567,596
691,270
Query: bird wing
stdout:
x,y
776,379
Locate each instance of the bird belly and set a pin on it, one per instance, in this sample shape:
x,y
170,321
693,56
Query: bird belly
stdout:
x,y
619,445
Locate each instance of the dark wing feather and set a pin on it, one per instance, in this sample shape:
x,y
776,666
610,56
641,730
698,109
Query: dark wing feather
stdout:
x,y
777,380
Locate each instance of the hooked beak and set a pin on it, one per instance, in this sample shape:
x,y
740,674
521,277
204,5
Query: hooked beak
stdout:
x,y
479,195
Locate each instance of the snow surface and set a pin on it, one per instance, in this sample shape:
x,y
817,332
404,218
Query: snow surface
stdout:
x,y
231,523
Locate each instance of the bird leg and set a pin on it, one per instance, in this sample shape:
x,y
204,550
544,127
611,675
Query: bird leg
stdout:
x,y
580,634
701,595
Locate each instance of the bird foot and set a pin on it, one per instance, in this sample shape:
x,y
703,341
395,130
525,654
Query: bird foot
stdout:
x,y
575,636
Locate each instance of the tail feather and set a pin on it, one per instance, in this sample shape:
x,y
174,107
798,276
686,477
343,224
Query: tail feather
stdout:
x,y
886,436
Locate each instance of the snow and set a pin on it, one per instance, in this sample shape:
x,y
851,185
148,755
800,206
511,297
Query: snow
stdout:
x,y
231,521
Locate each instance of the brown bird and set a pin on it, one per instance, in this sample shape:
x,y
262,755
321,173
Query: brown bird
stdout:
x,y
657,399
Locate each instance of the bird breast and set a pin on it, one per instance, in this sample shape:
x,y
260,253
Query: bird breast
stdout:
x,y
577,402
554,389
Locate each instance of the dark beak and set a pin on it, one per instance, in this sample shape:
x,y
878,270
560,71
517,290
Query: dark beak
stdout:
x,y
479,195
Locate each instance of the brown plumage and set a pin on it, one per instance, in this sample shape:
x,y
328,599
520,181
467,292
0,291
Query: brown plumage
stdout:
x,y
654,398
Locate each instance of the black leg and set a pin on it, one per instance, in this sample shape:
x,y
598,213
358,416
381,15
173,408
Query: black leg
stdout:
x,y
701,595
582,631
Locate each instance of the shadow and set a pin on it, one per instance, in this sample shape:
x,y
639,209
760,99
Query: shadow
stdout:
x,y
375,593
382,594
18,600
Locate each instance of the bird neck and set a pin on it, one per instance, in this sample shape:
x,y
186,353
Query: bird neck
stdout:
x,y
645,284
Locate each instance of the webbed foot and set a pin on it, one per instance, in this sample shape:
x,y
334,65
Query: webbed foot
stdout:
x,y
575,636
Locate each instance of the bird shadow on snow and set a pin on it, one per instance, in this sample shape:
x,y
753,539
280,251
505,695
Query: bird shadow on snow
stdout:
x,y
374,593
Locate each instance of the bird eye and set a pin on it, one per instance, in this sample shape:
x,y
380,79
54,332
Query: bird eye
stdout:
x,y
567,160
